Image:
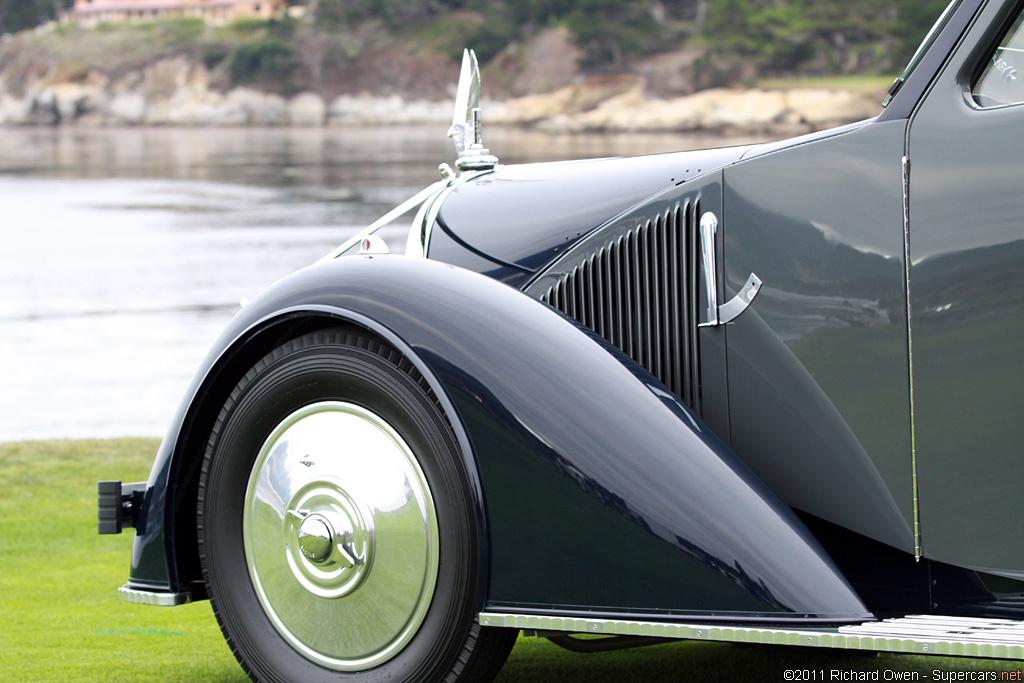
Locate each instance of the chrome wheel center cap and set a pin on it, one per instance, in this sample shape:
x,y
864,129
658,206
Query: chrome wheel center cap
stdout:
x,y
316,538
328,539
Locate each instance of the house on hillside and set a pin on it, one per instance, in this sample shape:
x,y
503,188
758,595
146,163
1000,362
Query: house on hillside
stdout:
x,y
92,12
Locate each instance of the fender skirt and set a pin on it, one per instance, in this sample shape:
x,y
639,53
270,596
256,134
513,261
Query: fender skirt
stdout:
x,y
598,492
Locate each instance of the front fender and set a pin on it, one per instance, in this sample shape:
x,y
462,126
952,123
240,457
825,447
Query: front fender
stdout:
x,y
597,489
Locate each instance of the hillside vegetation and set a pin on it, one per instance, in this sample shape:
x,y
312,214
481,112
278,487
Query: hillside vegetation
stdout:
x,y
405,40
358,61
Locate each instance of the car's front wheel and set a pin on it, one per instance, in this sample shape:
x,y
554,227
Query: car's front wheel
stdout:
x,y
336,524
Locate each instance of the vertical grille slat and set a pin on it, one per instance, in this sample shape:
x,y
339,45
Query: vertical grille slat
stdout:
x,y
615,295
597,264
655,285
643,298
639,296
582,310
593,296
628,303
665,275
608,286
675,252
638,291
570,295
692,304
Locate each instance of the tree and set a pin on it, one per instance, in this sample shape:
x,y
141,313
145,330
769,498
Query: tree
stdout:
x,y
17,15
913,19
612,31
819,36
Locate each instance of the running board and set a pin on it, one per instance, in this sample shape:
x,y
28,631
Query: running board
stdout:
x,y
920,634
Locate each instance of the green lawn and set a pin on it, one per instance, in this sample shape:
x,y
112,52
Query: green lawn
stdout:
x,y
61,620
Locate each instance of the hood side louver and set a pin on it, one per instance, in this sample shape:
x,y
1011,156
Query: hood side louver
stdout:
x,y
638,290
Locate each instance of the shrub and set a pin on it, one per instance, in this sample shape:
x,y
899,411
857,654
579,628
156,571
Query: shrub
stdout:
x,y
264,59
213,54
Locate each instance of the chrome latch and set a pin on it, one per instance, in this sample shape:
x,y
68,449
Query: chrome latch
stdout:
x,y
720,315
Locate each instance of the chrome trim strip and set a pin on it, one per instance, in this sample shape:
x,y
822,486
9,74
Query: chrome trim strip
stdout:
x,y
910,354
152,597
437,202
386,219
921,634
430,215
414,240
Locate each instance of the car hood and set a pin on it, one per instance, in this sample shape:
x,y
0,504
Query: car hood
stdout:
x,y
529,214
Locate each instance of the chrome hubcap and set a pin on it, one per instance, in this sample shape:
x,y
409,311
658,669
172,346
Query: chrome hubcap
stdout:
x,y
341,535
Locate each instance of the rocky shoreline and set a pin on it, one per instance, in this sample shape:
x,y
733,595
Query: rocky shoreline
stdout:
x,y
177,92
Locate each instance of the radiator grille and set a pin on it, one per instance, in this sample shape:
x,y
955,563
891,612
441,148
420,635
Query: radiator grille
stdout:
x,y
638,290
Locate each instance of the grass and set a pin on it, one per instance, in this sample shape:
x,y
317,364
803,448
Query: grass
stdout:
x,y
61,620
855,82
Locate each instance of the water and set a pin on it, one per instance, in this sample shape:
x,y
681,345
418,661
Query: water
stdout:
x,y
126,252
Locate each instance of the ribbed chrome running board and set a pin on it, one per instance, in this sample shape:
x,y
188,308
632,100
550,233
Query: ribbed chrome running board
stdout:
x,y
921,634
156,598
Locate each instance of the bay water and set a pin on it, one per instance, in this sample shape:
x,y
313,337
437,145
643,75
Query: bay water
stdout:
x,y
124,252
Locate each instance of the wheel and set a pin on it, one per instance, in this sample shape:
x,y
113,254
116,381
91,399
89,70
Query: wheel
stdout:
x,y
337,530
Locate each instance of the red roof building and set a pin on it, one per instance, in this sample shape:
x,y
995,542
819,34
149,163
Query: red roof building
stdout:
x,y
92,12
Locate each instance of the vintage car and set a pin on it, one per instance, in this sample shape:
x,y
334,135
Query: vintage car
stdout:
x,y
766,394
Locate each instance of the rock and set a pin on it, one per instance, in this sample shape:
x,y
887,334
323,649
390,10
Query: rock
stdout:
x,y
670,74
177,91
74,101
258,108
163,79
533,108
307,109
820,107
572,99
542,64
365,109
14,110
781,112
127,108
44,109
753,109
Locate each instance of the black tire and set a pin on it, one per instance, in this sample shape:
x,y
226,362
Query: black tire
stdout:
x,y
366,591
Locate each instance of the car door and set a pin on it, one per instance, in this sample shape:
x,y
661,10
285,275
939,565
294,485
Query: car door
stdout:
x,y
817,365
966,283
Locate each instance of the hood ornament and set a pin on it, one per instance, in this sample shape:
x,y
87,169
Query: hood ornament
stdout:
x,y
465,130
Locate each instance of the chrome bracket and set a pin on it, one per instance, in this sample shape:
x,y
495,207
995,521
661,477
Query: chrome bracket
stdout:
x,y
720,315
736,305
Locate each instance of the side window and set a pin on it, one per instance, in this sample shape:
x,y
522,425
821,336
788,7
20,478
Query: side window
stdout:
x,y
1000,83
